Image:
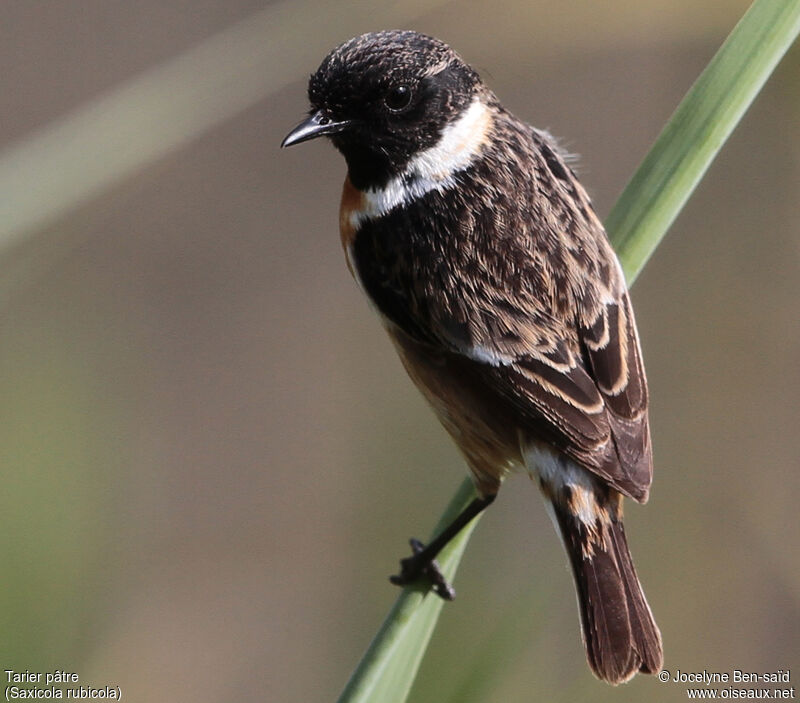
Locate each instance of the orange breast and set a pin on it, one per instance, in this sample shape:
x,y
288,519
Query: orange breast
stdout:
x,y
352,202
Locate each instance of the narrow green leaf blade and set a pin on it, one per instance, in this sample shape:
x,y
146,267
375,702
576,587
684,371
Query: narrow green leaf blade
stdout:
x,y
390,665
645,210
698,128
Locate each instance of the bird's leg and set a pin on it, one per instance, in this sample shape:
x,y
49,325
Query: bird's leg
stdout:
x,y
422,562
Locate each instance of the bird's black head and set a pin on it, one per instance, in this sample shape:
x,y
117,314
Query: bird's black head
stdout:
x,y
384,97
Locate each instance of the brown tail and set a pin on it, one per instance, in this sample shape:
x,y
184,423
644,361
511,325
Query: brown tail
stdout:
x,y
619,632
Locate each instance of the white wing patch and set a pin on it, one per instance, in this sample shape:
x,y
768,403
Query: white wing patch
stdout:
x,y
486,355
432,169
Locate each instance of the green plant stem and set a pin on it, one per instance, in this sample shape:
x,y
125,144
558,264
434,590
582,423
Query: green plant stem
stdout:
x,y
387,670
697,130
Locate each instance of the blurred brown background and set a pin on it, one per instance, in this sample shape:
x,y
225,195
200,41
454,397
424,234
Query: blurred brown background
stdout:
x,y
211,457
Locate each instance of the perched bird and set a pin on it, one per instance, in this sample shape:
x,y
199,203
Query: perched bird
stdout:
x,y
480,251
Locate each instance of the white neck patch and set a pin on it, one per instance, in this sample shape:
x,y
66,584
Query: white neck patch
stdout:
x,y
432,169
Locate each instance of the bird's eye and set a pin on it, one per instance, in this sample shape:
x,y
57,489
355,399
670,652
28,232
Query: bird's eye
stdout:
x,y
398,98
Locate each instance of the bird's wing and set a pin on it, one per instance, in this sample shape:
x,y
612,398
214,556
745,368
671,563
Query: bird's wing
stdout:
x,y
579,368
615,364
573,369
593,402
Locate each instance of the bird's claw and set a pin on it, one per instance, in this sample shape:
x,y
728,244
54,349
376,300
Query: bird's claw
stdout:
x,y
411,568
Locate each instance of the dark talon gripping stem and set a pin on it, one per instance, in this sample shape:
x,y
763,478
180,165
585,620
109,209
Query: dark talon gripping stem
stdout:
x,y
423,561
411,568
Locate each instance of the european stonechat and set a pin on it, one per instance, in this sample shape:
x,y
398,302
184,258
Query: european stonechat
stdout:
x,y
473,239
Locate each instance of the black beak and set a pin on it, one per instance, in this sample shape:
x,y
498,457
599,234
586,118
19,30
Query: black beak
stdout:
x,y
317,125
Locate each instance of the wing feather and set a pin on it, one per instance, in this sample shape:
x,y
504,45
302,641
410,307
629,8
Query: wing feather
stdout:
x,y
615,363
594,412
